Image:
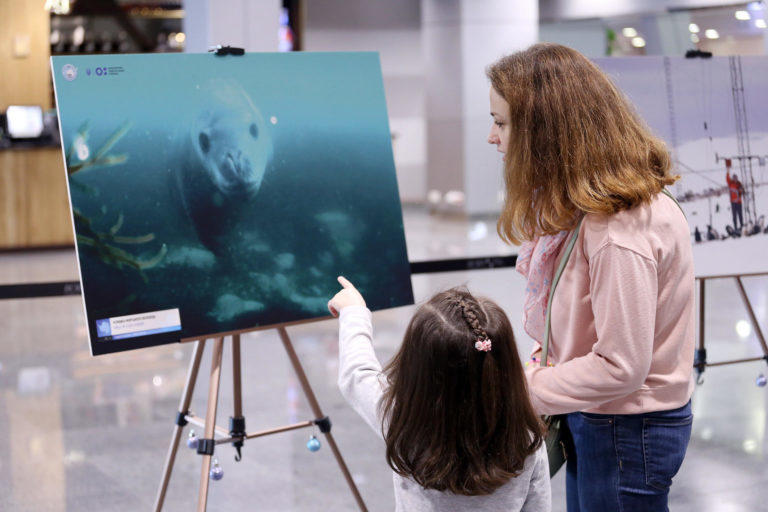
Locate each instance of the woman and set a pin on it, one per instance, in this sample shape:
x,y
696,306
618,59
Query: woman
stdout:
x,y
622,317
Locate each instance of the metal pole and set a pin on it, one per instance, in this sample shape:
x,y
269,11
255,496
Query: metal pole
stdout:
x,y
737,361
262,433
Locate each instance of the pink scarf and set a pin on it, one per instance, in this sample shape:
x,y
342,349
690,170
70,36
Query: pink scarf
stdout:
x,y
536,261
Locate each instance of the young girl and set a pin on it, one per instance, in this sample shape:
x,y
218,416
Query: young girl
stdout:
x,y
452,405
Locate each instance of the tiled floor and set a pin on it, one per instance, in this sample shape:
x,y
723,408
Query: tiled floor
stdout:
x,y
82,433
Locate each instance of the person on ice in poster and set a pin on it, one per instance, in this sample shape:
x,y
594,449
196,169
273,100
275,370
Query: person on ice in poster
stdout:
x,y
736,190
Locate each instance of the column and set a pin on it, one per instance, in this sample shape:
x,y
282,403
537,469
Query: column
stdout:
x,y
460,39
241,23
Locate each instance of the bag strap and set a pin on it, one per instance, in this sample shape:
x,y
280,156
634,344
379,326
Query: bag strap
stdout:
x,y
668,194
559,272
555,280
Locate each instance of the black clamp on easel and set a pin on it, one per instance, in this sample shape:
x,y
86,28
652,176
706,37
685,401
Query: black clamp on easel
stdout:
x,y
698,54
181,418
238,433
324,424
221,51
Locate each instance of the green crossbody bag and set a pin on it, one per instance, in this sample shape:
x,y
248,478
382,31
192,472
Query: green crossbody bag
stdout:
x,y
559,441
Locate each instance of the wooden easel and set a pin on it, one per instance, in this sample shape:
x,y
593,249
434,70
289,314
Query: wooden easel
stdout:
x,y
700,361
237,434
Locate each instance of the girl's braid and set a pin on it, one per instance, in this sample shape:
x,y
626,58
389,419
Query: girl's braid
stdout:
x,y
470,316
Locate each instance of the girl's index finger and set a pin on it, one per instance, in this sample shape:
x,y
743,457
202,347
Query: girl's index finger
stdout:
x,y
344,282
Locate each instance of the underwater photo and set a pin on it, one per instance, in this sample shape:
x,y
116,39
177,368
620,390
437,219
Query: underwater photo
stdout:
x,y
218,194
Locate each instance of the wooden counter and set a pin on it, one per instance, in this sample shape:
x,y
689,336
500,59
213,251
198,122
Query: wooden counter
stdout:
x,y
34,209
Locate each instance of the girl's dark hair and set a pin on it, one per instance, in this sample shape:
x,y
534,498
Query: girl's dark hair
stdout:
x,y
455,418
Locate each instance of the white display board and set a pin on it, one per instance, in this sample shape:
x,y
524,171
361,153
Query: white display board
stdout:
x,y
710,112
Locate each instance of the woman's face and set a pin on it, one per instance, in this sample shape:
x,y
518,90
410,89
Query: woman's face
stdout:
x,y
500,129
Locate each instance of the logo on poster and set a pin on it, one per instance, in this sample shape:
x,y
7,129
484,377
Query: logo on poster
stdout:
x,y
100,71
69,71
103,328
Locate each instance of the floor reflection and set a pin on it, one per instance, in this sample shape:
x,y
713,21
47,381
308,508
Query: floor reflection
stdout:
x,y
87,433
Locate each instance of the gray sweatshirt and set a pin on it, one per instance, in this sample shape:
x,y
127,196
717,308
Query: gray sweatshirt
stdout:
x,y
362,384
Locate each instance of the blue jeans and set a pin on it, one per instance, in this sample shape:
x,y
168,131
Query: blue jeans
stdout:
x,y
625,463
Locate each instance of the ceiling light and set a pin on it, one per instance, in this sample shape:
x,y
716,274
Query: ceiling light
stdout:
x,y
760,23
750,446
711,33
694,28
629,32
694,38
742,15
78,35
638,42
454,197
57,6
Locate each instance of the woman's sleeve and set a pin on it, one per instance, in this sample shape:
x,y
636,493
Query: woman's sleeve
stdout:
x,y
360,379
623,292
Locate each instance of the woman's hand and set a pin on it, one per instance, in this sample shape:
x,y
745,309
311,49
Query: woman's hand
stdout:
x,y
348,296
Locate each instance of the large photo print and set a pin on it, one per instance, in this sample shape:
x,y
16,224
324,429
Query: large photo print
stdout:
x,y
711,113
216,194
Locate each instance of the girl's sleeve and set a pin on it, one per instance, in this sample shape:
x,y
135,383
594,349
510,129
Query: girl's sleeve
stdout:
x,y
361,381
623,291
540,489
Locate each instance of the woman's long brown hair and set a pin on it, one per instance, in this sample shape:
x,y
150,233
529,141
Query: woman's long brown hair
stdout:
x,y
576,144
455,418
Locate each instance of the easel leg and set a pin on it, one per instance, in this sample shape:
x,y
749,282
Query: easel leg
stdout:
x,y
752,317
702,309
700,358
186,398
319,414
210,420
236,376
237,421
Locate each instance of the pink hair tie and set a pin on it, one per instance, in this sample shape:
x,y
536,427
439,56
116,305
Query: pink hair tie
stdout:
x,y
483,344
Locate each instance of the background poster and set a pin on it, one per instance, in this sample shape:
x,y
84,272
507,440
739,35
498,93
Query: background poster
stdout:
x,y
707,111
213,194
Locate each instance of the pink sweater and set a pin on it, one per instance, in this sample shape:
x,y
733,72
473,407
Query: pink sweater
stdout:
x,y
622,338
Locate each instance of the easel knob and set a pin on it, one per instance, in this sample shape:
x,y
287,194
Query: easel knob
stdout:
x,y
216,472
313,444
192,440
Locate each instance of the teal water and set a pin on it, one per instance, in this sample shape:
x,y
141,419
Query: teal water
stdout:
x,y
260,178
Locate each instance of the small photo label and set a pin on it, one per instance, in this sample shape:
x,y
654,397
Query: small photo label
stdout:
x,y
142,324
